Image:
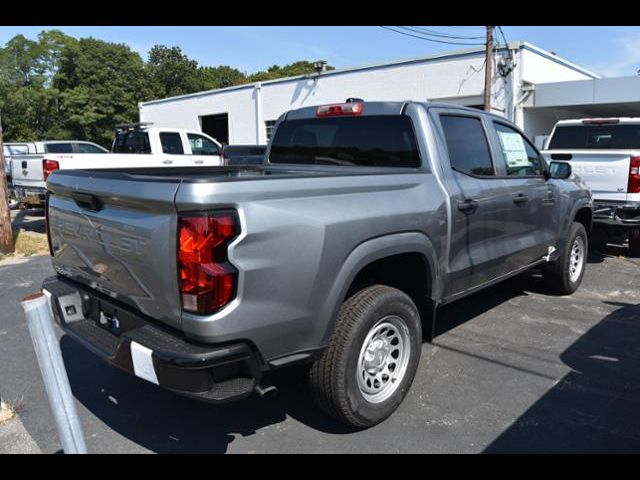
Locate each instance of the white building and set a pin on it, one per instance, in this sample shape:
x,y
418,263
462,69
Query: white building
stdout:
x,y
244,114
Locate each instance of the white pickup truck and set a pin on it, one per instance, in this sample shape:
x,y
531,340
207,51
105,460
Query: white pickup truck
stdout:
x,y
136,145
605,153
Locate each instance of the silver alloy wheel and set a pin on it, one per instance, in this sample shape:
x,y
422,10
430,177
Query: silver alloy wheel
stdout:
x,y
576,259
383,359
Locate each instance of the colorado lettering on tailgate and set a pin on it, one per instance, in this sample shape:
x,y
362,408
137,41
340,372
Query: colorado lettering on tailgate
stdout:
x,y
117,240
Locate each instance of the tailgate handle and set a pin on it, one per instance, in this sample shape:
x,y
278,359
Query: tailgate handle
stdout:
x,y
87,201
561,156
24,164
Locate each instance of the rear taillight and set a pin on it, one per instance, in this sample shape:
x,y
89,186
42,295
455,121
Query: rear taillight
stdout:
x,y
340,109
207,280
634,175
48,167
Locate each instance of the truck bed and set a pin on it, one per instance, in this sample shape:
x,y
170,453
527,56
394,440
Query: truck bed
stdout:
x,y
124,244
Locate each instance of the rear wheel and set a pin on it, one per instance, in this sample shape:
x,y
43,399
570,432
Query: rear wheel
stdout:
x,y
372,357
634,241
564,275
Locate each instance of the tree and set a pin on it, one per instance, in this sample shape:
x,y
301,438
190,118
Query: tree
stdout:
x,y
172,73
300,67
221,77
6,232
100,85
59,87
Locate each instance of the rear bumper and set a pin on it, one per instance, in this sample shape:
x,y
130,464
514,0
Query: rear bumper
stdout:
x,y
157,354
31,195
619,214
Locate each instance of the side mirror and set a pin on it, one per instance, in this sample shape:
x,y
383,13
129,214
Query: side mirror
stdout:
x,y
560,170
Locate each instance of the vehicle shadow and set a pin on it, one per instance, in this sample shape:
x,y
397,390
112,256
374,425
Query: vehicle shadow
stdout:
x,y
594,408
24,220
609,250
164,422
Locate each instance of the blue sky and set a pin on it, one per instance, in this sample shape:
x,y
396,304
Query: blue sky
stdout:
x,y
610,51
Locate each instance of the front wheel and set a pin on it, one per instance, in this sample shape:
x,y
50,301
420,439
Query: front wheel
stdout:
x,y
372,357
564,274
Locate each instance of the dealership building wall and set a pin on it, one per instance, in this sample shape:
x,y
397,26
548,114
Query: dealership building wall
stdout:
x,y
244,114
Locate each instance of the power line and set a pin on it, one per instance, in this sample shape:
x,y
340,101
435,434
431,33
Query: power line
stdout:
x,y
466,27
421,37
506,44
436,33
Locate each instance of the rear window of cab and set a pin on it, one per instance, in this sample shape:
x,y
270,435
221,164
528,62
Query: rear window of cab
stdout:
x,y
585,137
373,141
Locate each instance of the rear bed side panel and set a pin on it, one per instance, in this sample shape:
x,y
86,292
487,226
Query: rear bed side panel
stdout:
x,y
298,234
127,249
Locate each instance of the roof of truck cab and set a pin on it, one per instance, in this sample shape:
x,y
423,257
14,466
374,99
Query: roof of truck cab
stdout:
x,y
388,108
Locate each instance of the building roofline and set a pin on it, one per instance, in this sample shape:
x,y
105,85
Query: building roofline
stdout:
x,y
370,66
551,56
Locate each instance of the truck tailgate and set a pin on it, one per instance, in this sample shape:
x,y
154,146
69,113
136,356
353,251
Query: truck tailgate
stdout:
x,y
605,171
117,235
26,171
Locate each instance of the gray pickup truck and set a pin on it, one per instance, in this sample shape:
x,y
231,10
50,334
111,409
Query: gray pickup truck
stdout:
x,y
336,253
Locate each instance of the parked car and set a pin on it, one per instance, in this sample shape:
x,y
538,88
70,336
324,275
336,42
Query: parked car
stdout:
x,y
135,145
243,154
605,152
367,216
26,162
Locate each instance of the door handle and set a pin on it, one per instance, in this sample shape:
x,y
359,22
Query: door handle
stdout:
x,y
199,162
167,162
468,205
520,199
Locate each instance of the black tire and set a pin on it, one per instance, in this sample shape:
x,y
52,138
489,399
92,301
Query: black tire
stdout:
x,y
333,377
634,242
558,273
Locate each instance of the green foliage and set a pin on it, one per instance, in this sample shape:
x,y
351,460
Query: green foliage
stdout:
x,y
171,73
60,87
293,69
100,85
221,77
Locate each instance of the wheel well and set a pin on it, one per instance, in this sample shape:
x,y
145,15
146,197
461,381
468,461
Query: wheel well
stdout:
x,y
408,272
584,217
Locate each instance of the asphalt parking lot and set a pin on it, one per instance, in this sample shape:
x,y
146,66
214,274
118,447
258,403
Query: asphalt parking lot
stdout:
x,y
512,369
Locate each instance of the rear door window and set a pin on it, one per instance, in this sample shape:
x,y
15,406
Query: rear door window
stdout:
x,y
59,147
467,145
171,143
133,141
376,141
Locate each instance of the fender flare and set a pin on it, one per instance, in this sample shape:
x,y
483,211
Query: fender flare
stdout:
x,y
369,251
580,204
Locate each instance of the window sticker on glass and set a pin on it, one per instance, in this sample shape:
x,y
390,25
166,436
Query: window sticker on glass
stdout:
x,y
514,149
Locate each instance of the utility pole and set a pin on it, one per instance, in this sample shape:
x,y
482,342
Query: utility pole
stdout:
x,y
487,70
6,232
